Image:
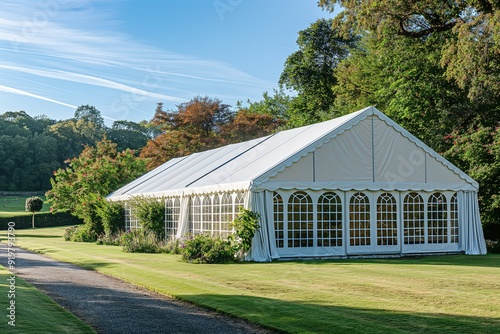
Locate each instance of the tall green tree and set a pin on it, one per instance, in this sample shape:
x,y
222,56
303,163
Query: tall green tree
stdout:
x,y
128,134
90,114
434,67
310,72
472,49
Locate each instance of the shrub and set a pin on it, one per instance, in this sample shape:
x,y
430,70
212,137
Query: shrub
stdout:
x,y
151,214
140,241
245,225
85,233
112,216
202,248
111,239
493,247
172,247
70,232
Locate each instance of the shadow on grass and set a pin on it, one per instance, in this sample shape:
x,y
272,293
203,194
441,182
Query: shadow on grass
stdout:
x,y
489,260
112,306
44,236
299,316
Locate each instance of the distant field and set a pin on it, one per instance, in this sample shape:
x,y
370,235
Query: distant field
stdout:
x,y
14,206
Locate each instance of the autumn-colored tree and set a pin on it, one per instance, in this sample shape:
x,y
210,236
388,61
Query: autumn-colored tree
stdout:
x,y
195,126
247,126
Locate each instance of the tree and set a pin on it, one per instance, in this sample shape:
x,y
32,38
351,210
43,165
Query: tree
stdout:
x,y
472,49
310,71
90,114
33,204
246,126
476,150
276,105
193,127
88,178
72,136
127,134
433,66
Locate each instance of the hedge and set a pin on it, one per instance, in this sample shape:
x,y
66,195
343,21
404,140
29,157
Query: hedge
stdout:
x,y
44,219
492,231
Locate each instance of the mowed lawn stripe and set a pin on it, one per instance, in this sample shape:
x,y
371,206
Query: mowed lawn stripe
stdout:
x,y
438,294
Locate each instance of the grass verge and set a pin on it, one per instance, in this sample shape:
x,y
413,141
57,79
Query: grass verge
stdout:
x,y
441,294
33,311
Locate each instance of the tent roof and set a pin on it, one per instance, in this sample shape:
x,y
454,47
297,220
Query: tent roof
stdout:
x,y
252,163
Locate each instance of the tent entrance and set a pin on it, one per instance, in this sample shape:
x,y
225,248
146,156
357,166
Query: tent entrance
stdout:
x,y
372,223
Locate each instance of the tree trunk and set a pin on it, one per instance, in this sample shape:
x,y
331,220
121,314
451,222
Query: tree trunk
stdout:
x,y
33,220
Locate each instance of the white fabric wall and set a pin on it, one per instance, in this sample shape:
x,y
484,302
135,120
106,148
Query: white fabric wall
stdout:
x,y
347,157
472,237
302,170
183,223
471,240
396,159
371,152
263,245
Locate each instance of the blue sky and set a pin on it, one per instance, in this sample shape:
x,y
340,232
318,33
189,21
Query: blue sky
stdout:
x,y
124,56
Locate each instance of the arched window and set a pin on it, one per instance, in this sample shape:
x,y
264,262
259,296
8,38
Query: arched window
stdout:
x,y
278,220
168,218
414,219
387,223
226,214
359,217
454,219
196,215
300,220
329,225
239,201
216,214
128,216
437,219
206,224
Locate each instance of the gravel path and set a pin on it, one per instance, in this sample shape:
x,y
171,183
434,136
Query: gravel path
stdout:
x,y
113,306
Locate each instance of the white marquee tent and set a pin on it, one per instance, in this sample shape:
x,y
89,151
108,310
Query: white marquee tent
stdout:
x,y
355,185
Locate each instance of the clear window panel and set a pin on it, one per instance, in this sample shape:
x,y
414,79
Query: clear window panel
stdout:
x,y
359,220
300,220
437,219
413,219
387,232
278,220
329,222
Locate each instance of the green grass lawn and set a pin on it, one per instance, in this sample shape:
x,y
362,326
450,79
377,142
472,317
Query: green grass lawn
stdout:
x,y
14,206
437,294
34,311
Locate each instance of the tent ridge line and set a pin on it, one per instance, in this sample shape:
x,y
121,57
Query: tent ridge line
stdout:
x,y
436,156
152,176
315,145
233,158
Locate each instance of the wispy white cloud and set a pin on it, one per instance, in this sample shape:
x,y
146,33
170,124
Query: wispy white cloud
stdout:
x,y
79,41
89,80
22,92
